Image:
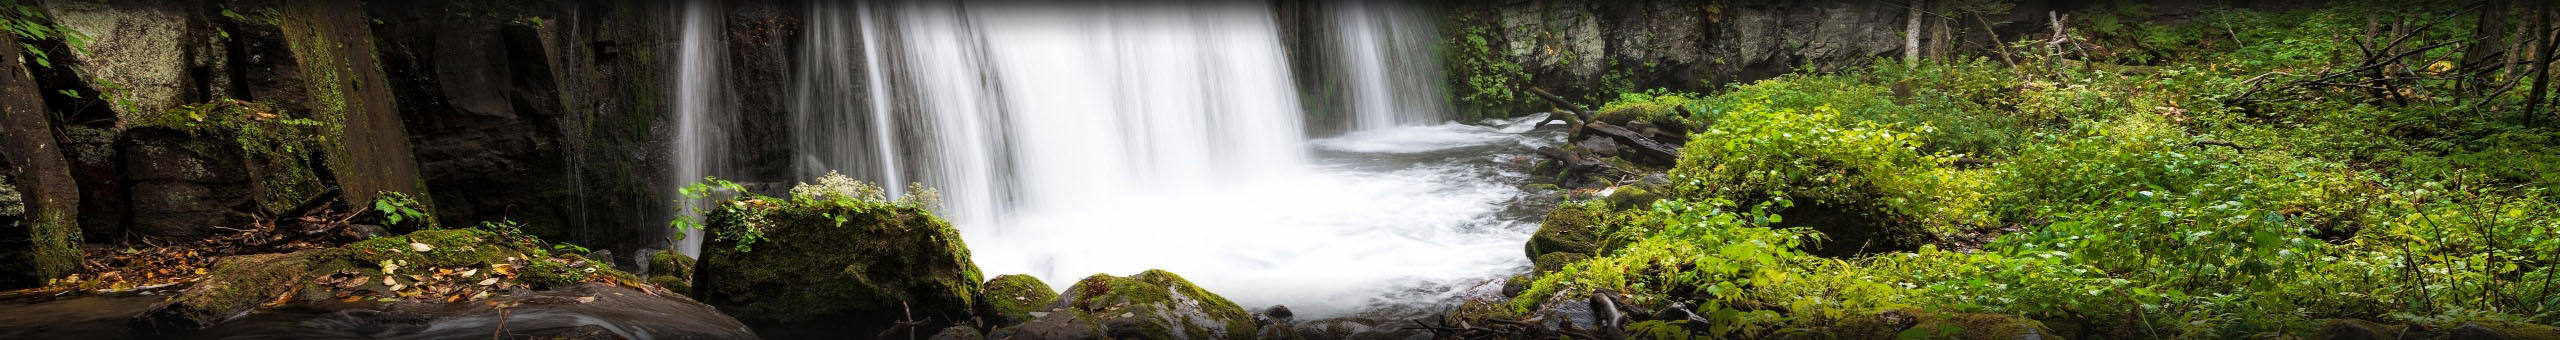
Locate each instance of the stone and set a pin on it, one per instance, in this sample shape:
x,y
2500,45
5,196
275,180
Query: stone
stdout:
x,y
958,333
1011,299
45,241
822,267
1155,304
1568,229
235,286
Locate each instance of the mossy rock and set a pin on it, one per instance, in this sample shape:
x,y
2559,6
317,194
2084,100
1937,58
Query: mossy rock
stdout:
x,y
668,263
1570,228
821,267
235,286
1010,299
1556,261
2500,330
672,283
239,284
1151,305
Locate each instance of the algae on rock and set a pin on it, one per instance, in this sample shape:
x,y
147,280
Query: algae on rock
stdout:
x,y
833,262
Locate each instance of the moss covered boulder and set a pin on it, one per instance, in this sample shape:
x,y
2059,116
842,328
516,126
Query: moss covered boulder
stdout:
x,y
826,266
1151,305
1571,228
1010,299
435,266
672,271
238,284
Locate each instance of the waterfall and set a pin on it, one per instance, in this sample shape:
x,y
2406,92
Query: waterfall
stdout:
x,y
702,128
1387,57
1153,96
1071,139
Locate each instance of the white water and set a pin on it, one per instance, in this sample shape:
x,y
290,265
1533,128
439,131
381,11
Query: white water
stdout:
x,y
1074,139
1387,57
701,127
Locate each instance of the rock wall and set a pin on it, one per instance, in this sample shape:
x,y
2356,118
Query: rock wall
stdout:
x,y
1588,50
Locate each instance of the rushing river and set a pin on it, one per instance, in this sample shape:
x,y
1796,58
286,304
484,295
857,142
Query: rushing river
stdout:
x,y
1396,219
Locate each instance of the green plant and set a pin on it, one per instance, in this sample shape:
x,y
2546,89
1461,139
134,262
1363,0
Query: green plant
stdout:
x,y
30,24
397,208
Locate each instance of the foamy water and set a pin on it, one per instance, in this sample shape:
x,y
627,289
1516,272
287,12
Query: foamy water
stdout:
x,y
1373,226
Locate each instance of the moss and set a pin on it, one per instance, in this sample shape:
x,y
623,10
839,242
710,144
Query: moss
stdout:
x,y
811,263
1011,298
668,263
1157,304
448,248
57,244
1556,260
1568,229
672,283
275,146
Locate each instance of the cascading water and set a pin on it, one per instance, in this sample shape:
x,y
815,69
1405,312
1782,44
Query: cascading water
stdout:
x,y
1385,51
1073,139
700,125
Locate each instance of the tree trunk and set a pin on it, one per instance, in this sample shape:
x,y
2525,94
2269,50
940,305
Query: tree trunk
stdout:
x,y
2483,55
2541,64
1911,33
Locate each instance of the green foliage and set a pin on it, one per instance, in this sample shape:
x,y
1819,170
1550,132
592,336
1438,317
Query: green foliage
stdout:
x,y
836,196
397,208
2121,185
31,25
1760,150
1487,78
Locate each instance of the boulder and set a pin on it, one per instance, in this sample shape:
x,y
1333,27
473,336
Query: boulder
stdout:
x,y
1568,229
182,184
1010,299
671,270
823,267
44,242
236,285
1150,305
239,284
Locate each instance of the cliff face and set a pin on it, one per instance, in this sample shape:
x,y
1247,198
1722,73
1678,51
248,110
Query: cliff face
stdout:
x,y
545,112
1585,50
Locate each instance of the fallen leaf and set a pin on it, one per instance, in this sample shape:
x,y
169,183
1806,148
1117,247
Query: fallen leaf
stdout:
x,y
586,299
421,247
490,281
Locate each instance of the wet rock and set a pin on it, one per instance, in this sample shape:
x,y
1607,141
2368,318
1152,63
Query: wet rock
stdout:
x,y
958,333
582,311
1568,229
1276,323
1010,299
237,285
1150,305
1359,329
822,267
